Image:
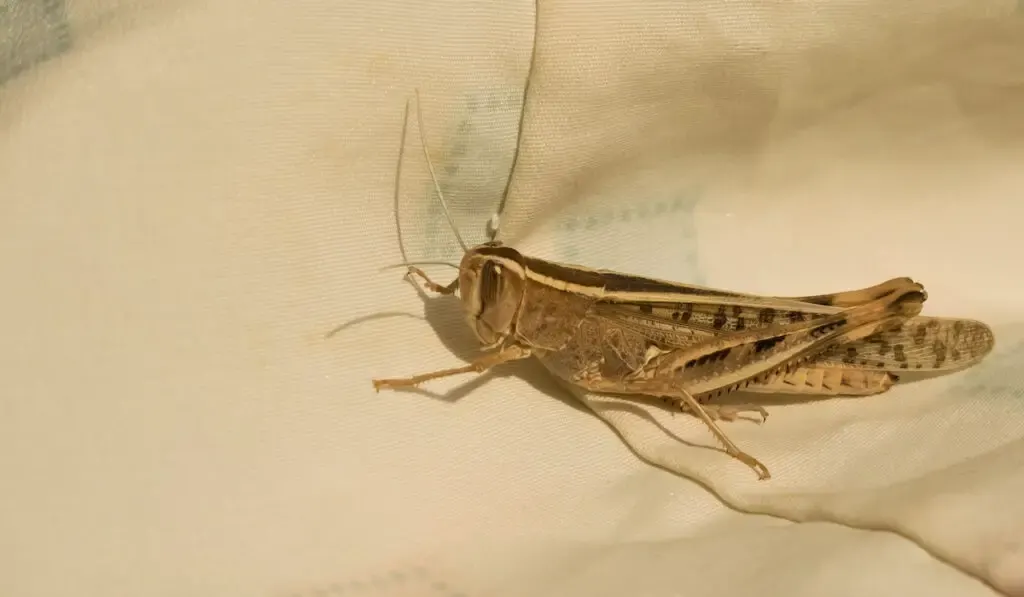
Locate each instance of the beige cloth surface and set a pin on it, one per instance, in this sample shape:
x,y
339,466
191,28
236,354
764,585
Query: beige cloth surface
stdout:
x,y
195,194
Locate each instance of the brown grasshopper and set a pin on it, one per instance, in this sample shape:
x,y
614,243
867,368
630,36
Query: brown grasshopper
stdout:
x,y
608,332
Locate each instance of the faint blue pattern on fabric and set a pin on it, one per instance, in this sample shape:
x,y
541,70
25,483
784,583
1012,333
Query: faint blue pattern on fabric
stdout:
x,y
999,375
612,223
472,167
472,161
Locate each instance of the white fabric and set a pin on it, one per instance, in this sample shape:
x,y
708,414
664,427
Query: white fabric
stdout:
x,y
195,194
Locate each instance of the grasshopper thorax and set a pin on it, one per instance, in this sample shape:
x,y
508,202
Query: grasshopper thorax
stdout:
x,y
492,283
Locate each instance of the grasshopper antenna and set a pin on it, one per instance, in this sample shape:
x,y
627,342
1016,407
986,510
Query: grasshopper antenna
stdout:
x,y
494,224
453,287
433,175
398,181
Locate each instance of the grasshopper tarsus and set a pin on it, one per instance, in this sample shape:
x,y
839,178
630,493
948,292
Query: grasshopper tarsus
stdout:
x,y
762,471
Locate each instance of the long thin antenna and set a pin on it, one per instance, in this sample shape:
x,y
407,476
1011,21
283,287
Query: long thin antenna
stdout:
x,y
433,175
398,180
495,223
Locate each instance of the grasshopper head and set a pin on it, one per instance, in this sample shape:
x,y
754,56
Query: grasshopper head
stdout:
x,y
492,281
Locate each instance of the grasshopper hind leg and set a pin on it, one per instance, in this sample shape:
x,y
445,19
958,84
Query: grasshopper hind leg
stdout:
x,y
689,403
709,413
568,364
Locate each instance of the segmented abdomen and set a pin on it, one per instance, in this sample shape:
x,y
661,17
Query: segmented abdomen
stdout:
x,y
825,381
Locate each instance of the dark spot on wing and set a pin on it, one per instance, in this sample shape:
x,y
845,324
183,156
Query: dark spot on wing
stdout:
x,y
683,313
767,343
720,318
718,355
884,347
940,353
826,328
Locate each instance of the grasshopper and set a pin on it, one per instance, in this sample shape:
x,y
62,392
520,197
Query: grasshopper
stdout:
x,y
628,335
